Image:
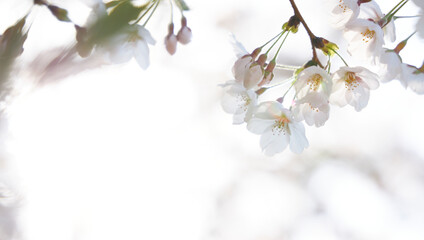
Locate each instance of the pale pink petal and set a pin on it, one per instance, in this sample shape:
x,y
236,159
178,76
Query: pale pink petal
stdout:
x,y
184,35
171,44
240,67
253,76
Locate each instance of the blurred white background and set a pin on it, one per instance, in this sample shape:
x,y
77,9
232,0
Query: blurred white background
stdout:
x,y
121,153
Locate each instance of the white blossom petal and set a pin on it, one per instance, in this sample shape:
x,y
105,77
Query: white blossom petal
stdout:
x,y
258,125
390,66
273,143
239,101
352,86
141,54
420,24
413,78
238,48
298,141
343,11
277,128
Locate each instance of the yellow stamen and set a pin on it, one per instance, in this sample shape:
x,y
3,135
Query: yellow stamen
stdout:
x,y
314,81
281,126
368,35
351,81
343,6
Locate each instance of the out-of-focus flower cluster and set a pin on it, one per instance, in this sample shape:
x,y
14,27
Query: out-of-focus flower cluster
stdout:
x,y
115,32
314,87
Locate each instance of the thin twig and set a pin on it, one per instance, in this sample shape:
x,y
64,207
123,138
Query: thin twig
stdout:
x,y
308,30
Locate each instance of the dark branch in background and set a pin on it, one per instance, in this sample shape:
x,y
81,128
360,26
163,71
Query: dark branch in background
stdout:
x,y
312,37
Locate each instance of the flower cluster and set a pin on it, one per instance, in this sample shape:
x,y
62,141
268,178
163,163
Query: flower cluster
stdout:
x,y
316,87
114,29
367,36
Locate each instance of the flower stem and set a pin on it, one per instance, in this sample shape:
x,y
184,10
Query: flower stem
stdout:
x,y
144,14
394,8
151,14
399,8
287,67
272,39
328,65
287,91
392,12
396,17
269,49
275,56
347,65
172,11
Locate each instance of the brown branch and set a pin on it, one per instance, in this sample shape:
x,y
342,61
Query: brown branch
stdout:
x,y
312,37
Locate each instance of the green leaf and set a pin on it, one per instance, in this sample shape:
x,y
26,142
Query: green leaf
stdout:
x,y
182,5
60,13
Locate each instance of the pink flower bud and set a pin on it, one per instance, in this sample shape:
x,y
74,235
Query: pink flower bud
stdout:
x,y
171,40
184,35
171,43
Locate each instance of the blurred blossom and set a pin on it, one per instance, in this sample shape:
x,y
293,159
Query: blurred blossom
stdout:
x,y
132,42
8,213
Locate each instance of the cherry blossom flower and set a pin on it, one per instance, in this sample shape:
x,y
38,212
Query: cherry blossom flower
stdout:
x,y
313,79
131,42
313,108
373,12
239,101
247,71
414,78
343,11
277,128
313,87
352,85
365,38
390,66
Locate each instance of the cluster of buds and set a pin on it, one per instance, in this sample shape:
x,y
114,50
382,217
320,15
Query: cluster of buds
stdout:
x,y
183,36
315,86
